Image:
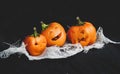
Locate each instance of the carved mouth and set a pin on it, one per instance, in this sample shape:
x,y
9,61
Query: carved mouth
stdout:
x,y
82,39
57,37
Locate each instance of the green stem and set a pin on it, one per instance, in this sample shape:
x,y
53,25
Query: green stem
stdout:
x,y
44,26
35,34
79,21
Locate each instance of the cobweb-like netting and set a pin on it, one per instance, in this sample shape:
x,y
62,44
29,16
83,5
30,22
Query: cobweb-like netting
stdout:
x,y
55,52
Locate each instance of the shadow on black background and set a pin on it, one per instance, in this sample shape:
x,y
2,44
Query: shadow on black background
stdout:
x,y
18,19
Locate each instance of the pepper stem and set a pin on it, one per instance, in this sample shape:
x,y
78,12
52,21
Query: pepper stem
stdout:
x,y
35,34
44,26
79,21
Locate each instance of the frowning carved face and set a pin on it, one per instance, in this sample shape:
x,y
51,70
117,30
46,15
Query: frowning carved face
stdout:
x,y
55,34
85,34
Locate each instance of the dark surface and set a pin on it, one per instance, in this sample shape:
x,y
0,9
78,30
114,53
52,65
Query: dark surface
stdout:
x,y
18,19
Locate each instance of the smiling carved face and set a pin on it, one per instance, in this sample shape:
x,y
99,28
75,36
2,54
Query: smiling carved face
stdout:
x,y
55,34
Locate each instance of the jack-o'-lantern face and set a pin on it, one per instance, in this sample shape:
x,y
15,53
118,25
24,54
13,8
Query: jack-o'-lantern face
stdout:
x,y
78,34
83,33
55,34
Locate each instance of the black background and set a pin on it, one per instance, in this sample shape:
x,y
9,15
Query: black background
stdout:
x,y
17,20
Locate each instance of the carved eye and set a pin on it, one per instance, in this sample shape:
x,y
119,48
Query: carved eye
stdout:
x,y
56,27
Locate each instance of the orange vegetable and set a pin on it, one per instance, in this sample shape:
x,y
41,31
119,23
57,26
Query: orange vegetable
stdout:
x,y
54,33
83,33
35,43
